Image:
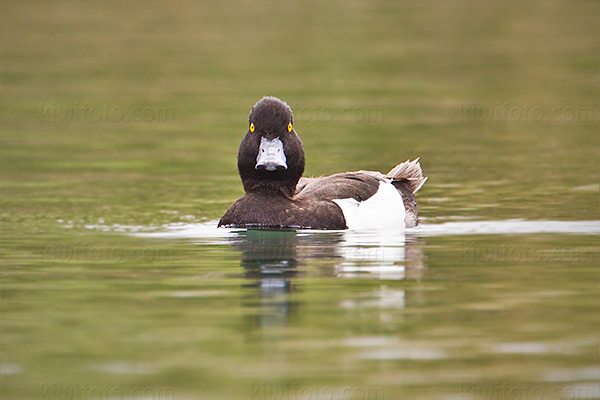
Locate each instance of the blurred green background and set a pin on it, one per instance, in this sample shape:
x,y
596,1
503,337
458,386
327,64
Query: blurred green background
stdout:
x,y
131,113
117,110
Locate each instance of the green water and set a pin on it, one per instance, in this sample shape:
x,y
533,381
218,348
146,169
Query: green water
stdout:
x,y
120,116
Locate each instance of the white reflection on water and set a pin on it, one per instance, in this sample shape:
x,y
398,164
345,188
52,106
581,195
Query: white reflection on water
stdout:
x,y
375,253
124,368
10,369
382,298
381,254
403,353
507,227
522,348
209,230
591,373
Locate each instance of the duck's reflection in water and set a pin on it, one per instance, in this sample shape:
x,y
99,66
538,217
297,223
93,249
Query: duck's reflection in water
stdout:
x,y
275,261
386,255
270,263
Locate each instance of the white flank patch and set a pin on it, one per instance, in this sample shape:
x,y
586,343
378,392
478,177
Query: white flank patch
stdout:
x,y
383,210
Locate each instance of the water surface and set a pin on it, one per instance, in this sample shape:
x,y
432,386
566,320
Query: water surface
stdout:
x,y
193,311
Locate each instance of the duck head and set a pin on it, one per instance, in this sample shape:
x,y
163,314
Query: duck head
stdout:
x,y
271,156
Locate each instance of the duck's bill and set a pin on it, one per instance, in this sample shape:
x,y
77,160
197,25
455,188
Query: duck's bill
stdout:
x,y
271,155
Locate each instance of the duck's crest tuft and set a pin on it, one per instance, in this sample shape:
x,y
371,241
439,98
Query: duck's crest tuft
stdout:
x,y
409,171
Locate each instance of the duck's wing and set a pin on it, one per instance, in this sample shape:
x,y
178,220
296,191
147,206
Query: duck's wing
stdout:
x,y
360,186
303,182
353,188
366,199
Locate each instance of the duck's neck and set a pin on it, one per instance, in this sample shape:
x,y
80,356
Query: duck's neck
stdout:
x,y
270,187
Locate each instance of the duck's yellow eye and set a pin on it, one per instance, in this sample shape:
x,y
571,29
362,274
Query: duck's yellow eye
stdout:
x,y
251,127
290,127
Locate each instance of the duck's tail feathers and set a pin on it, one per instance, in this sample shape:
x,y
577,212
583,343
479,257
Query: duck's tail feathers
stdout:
x,y
409,171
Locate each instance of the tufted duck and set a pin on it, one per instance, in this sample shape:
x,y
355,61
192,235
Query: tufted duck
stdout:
x,y
271,163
